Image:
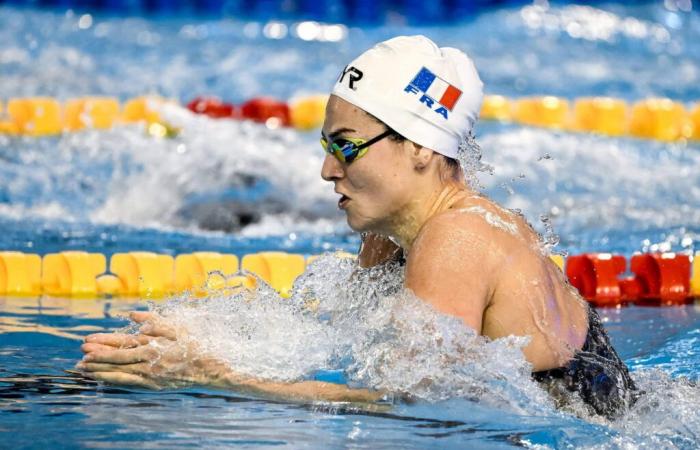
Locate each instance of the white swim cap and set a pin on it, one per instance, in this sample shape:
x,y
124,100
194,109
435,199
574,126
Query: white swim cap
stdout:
x,y
428,94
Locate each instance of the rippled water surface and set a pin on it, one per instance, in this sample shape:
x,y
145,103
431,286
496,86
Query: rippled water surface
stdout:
x,y
122,190
40,339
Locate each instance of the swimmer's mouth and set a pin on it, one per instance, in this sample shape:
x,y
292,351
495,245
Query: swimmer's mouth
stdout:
x,y
343,202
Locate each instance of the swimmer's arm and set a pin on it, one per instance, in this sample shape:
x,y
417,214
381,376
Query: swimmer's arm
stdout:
x,y
376,249
204,371
450,266
301,391
220,375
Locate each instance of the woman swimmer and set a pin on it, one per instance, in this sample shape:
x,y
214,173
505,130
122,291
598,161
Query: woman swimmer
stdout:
x,y
393,127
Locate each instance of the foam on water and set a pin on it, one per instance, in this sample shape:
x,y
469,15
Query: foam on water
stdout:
x,y
666,416
215,155
218,171
589,180
214,171
363,323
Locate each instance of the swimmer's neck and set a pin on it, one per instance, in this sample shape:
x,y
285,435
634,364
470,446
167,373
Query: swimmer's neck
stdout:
x,y
405,227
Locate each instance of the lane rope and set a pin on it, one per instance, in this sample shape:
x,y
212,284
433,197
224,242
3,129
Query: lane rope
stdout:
x,y
653,118
604,279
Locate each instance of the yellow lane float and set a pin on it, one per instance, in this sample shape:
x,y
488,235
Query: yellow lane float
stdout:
x,y
496,107
695,276
93,112
141,109
7,126
278,269
204,270
307,113
36,116
602,115
695,122
550,112
20,273
558,260
660,118
145,274
72,273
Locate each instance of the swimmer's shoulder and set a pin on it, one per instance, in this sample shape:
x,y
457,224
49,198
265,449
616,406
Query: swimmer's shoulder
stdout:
x,y
507,226
452,238
476,214
453,266
476,229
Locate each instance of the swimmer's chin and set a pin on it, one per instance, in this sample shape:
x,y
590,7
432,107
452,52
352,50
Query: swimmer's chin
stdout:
x,y
358,226
355,229
361,224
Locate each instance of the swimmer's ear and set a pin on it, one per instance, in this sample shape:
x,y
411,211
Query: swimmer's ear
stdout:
x,y
420,155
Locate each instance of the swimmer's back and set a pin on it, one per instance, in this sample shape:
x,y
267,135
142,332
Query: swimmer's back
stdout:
x,y
526,293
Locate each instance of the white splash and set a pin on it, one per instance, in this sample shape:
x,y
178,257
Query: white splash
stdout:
x,y
579,189
363,322
493,219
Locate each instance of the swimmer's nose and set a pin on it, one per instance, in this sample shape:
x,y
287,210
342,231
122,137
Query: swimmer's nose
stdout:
x,y
332,169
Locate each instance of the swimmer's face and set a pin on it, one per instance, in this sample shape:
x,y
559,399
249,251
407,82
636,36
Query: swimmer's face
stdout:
x,y
375,187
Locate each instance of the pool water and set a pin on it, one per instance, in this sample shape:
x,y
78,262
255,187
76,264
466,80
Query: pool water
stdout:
x,y
122,190
42,406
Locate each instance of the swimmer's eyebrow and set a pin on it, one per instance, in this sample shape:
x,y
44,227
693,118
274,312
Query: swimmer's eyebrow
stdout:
x,y
338,132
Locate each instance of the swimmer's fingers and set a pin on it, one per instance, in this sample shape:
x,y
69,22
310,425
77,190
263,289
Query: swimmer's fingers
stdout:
x,y
148,373
158,329
122,378
140,369
142,316
153,325
90,347
104,354
118,340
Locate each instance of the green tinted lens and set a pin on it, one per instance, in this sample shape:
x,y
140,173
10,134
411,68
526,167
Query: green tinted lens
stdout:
x,y
343,149
346,149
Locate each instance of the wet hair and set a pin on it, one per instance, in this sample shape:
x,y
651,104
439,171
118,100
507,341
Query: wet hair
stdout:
x,y
450,167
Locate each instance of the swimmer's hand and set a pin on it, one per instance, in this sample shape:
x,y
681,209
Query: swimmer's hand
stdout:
x,y
162,357
158,357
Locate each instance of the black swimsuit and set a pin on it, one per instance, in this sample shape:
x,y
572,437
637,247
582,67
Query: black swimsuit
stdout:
x,y
596,373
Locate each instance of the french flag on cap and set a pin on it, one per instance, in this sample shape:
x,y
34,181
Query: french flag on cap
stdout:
x,y
436,88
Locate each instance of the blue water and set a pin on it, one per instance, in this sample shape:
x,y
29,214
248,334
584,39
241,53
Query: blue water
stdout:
x,y
41,406
123,190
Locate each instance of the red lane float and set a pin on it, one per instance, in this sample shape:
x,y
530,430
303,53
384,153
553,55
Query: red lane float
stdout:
x,y
264,109
213,107
595,275
663,277
658,278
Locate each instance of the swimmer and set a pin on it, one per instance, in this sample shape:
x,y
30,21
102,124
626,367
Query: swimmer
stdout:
x,y
392,133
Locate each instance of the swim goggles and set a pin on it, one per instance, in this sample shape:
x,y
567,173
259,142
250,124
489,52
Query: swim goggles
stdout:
x,y
348,150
